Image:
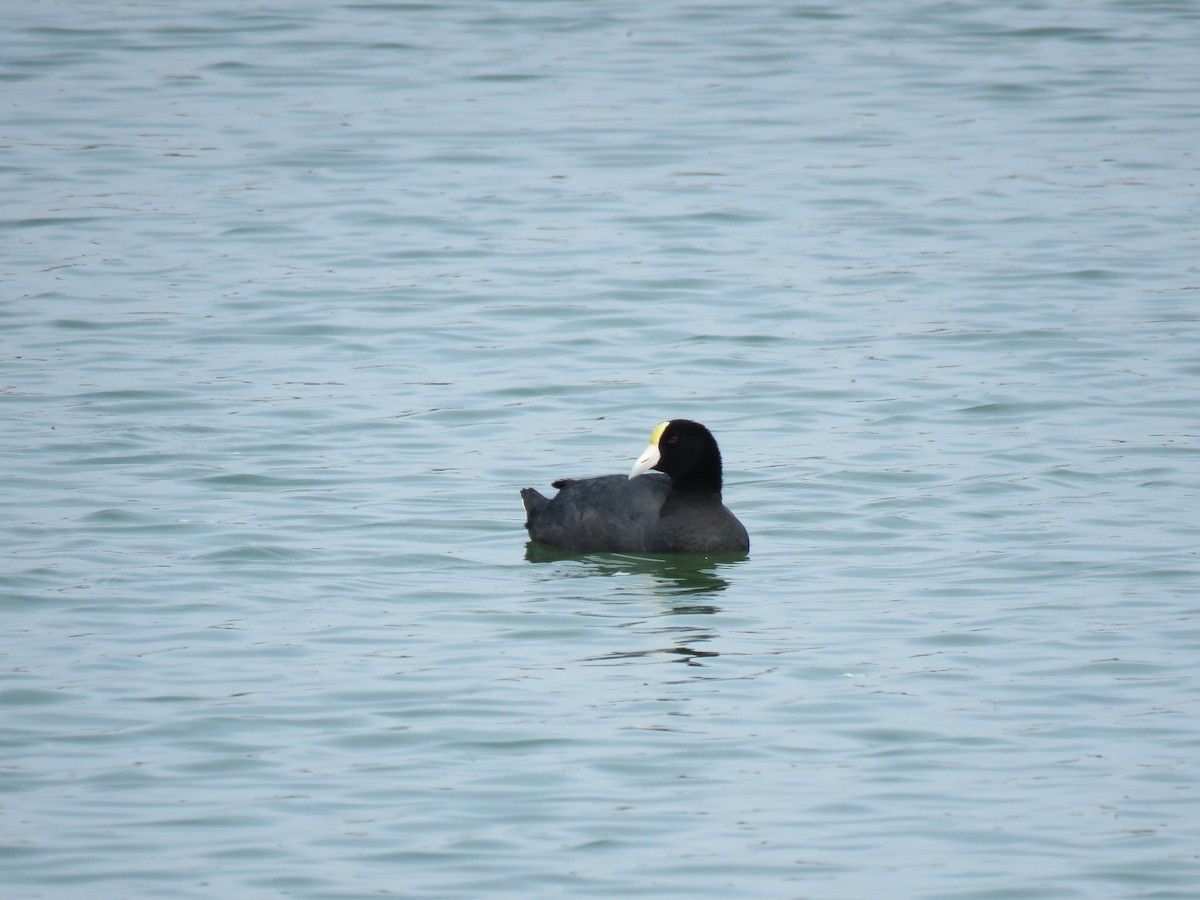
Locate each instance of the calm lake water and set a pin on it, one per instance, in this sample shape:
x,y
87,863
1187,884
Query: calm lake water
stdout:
x,y
297,296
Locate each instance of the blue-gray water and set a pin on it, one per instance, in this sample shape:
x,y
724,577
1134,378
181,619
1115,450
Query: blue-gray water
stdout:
x,y
296,296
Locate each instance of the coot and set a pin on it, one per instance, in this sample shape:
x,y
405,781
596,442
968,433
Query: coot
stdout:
x,y
679,511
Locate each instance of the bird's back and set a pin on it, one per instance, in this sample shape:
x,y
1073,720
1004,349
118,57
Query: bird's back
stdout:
x,y
610,513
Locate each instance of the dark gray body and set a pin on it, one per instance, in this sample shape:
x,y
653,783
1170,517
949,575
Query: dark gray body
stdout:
x,y
613,513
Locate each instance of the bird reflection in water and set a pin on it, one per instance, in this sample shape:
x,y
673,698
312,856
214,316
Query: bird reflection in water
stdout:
x,y
677,573
678,580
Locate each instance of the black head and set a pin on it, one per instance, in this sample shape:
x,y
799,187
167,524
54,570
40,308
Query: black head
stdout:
x,y
686,451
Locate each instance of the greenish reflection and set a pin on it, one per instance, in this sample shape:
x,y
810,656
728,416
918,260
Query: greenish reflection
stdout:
x,y
681,583
673,573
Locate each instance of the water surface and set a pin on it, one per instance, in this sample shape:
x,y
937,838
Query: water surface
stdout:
x,y
297,297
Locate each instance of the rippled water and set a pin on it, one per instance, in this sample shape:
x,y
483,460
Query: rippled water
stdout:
x,y
296,297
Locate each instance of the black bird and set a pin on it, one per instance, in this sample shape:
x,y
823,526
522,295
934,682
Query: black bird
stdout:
x,y
679,511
